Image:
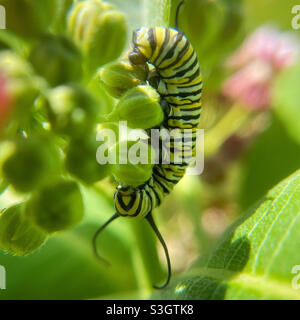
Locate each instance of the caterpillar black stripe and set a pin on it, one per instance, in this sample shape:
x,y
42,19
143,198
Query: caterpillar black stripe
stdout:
x,y
179,83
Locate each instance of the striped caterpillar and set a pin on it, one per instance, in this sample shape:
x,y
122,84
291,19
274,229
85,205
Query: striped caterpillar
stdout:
x,y
176,76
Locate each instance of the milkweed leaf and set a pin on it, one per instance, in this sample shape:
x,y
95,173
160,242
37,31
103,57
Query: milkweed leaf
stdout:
x,y
256,257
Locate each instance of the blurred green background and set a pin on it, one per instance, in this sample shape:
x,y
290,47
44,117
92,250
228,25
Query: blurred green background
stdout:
x,y
251,144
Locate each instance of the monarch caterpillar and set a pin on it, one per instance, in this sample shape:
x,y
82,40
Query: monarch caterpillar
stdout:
x,y
176,77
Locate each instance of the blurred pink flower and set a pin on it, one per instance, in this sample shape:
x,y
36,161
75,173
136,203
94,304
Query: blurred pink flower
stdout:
x,y
265,53
280,49
250,85
5,101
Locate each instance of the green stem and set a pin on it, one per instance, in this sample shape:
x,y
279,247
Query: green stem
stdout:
x,y
145,257
231,122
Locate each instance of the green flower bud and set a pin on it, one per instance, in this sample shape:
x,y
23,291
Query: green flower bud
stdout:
x,y
140,107
111,126
29,18
21,84
98,90
81,160
107,136
60,23
99,31
33,163
56,207
18,235
133,162
120,76
13,66
72,110
57,59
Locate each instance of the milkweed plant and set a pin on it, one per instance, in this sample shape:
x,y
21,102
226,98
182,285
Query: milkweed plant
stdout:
x,y
65,77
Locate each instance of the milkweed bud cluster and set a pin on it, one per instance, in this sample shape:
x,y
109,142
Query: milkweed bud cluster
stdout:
x,y
139,105
48,60
99,30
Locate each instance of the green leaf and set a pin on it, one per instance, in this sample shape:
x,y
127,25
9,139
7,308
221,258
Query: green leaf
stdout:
x,y
255,257
286,100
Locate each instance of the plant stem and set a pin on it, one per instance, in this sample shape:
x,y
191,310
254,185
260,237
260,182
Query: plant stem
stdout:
x,y
231,122
145,257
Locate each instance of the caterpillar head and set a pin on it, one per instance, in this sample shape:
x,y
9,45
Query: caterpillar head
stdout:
x,y
138,55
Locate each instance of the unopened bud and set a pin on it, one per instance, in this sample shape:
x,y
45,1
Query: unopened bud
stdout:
x,y
33,163
60,23
72,110
133,162
120,76
99,30
18,235
114,127
140,107
81,160
57,59
56,207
